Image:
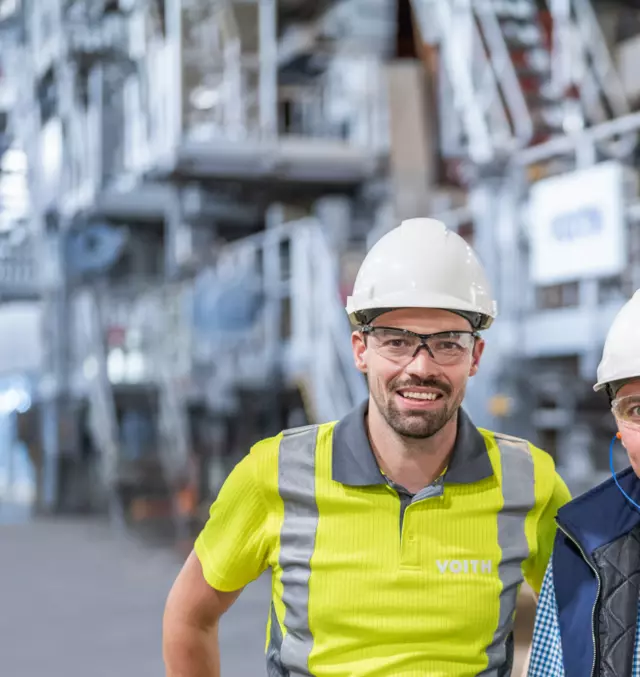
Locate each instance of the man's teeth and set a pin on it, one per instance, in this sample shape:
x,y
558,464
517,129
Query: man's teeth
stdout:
x,y
420,396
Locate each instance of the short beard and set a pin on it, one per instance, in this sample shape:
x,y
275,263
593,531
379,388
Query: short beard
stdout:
x,y
419,425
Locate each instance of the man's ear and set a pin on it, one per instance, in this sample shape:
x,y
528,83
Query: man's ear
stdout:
x,y
478,349
359,348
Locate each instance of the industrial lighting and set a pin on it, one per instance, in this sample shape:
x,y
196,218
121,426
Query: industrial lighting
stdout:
x,y
90,368
51,145
116,365
7,8
14,399
135,366
24,404
573,121
204,98
14,161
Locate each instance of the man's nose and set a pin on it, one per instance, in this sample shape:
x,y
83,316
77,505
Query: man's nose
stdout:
x,y
422,363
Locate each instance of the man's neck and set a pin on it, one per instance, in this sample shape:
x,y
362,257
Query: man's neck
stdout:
x,y
414,464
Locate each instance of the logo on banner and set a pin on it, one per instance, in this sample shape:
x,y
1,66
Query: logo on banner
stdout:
x,y
577,225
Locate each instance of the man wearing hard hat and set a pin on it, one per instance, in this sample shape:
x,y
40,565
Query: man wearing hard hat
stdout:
x,y
587,622
398,537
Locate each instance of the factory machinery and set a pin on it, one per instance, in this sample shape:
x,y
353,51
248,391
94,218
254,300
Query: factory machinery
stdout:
x,y
202,179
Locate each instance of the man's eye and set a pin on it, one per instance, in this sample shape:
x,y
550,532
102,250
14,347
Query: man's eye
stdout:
x,y
396,343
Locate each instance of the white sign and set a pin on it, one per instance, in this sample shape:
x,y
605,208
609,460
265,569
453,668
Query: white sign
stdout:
x,y
578,225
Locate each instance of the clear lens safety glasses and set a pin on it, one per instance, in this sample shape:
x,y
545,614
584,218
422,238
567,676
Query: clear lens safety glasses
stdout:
x,y
627,410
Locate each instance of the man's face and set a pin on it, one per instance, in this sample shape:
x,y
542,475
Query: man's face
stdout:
x,y
417,398
628,420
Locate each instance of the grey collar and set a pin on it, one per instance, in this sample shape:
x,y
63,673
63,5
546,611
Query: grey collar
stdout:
x,y
354,464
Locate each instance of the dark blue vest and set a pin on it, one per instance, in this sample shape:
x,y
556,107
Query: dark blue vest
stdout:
x,y
596,569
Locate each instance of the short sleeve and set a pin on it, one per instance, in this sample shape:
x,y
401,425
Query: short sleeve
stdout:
x,y
233,546
545,533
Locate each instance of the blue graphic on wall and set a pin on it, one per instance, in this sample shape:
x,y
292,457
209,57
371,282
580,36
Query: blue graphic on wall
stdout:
x,y
226,305
94,248
579,224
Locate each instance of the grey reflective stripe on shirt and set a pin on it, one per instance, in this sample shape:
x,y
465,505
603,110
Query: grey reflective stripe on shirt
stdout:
x,y
518,491
296,483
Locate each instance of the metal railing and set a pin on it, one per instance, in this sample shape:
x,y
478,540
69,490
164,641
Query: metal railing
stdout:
x,y
147,312
229,90
19,273
296,277
215,90
486,95
582,144
505,74
102,414
483,88
170,371
324,109
321,347
581,58
144,316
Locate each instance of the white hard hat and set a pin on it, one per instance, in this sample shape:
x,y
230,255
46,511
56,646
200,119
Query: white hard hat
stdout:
x,y
621,354
422,264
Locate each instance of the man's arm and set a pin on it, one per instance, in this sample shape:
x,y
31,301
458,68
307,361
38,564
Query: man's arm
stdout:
x,y
190,626
231,551
545,655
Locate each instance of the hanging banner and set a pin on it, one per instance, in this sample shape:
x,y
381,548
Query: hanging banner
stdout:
x,y
578,227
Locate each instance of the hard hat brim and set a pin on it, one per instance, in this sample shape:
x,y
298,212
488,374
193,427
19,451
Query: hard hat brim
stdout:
x,y
420,300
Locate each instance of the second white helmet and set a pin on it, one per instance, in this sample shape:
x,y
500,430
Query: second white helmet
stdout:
x,y
621,355
422,264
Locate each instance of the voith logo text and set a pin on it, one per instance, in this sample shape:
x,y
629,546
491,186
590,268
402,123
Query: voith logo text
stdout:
x,y
465,566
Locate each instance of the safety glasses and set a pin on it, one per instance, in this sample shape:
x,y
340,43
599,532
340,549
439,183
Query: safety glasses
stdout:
x,y
401,346
627,410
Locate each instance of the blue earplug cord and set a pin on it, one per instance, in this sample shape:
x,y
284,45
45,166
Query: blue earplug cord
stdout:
x,y
615,479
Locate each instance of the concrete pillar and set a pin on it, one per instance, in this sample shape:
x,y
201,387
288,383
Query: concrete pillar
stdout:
x,y
589,303
48,500
268,91
413,138
175,100
176,235
57,368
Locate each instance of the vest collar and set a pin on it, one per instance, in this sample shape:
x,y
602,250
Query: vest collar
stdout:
x,y
603,514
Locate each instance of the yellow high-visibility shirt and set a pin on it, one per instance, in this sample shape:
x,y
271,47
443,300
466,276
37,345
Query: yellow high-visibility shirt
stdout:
x,y
369,580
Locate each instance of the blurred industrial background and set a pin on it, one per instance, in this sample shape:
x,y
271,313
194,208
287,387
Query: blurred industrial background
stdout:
x,y
187,188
